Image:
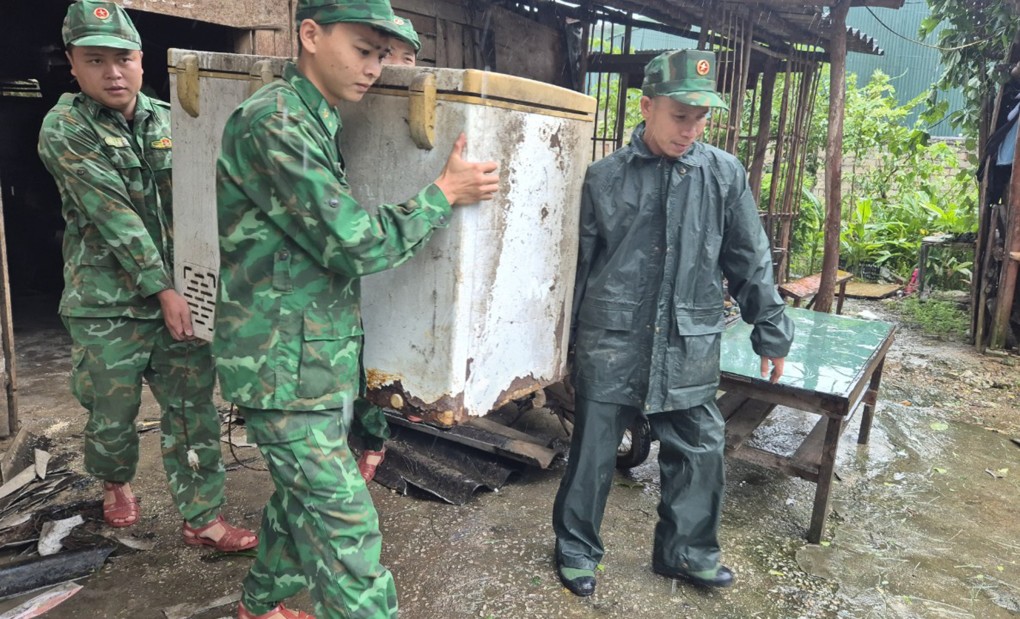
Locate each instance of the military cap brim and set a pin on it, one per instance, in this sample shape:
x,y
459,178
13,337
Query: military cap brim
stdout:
x,y
102,40
700,98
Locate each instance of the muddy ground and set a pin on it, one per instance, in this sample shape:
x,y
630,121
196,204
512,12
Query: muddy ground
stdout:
x,y
924,520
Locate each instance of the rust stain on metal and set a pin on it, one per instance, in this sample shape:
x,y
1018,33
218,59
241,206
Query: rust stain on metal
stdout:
x,y
521,387
376,379
445,412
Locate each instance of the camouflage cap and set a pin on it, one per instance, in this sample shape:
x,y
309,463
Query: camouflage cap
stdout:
x,y
100,24
407,33
376,13
686,75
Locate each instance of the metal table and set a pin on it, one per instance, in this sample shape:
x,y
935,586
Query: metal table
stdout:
x,y
834,368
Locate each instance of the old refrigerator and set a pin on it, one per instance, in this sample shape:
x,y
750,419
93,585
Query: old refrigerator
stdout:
x,y
481,315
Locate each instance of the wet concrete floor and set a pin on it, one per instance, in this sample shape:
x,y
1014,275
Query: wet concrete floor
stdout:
x,y
924,519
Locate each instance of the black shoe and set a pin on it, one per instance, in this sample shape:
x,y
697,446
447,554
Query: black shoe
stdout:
x,y
723,576
582,586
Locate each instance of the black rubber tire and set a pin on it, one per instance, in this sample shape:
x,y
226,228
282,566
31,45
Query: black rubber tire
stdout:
x,y
636,444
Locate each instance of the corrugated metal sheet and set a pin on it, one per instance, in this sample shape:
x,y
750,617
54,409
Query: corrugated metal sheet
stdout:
x,y
912,66
779,23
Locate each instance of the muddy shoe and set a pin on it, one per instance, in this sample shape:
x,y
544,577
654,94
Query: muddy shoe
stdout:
x,y
718,577
577,581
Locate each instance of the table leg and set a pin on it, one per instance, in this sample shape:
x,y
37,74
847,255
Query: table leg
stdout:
x,y
922,261
870,398
826,468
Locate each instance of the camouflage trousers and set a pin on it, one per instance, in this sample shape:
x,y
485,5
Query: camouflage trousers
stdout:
x,y
110,358
370,425
320,530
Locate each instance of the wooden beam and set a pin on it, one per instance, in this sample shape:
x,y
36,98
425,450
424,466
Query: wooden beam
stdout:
x,y
761,143
834,156
8,376
1009,268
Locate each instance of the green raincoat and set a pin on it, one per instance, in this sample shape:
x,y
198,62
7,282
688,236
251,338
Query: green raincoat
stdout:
x,y
657,237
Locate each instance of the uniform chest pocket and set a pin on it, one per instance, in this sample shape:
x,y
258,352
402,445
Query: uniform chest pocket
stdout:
x,y
122,158
160,160
330,352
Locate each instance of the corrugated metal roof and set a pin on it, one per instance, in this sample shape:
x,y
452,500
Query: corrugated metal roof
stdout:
x,y
777,23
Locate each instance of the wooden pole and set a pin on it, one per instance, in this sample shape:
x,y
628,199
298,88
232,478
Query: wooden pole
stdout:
x,y
1008,272
834,156
761,144
985,241
8,421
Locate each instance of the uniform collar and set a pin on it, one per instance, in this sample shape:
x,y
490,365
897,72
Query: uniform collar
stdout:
x,y
326,113
693,158
143,106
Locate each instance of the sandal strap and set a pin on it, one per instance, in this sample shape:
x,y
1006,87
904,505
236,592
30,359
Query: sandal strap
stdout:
x,y
232,539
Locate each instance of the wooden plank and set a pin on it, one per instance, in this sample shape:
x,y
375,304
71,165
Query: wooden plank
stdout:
x,y
729,402
8,417
440,9
497,428
808,286
454,42
495,438
745,421
810,451
775,462
866,290
441,52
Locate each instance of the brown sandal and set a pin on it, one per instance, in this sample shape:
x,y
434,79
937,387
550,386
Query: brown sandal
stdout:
x,y
286,613
367,468
123,512
232,540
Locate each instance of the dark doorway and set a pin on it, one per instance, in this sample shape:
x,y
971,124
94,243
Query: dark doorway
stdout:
x,y
33,75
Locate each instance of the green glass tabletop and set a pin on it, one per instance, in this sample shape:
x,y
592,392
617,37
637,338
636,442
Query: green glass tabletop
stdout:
x,y
829,352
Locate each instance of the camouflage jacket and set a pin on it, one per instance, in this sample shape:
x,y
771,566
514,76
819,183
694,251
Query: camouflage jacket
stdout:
x,y
293,245
114,182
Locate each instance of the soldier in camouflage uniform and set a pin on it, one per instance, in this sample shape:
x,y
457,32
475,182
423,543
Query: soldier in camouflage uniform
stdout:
x,y
109,151
663,220
369,424
293,245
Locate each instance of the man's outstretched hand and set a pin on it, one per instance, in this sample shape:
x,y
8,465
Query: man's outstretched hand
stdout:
x,y
464,182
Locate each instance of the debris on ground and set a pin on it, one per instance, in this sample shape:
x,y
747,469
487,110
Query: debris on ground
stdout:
x,y
43,603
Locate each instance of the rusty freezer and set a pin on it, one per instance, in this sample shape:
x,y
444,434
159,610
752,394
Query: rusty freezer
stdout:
x,y
480,316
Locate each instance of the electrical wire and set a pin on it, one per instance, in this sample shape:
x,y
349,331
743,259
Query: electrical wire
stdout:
x,y
922,43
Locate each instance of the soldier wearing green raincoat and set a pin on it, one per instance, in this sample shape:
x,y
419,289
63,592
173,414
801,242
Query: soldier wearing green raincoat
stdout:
x,y
663,220
109,150
294,244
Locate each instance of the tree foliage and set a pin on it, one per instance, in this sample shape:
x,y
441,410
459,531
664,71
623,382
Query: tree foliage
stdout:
x,y
974,41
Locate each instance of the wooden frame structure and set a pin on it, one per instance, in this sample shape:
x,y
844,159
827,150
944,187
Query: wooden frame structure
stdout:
x,y
994,290
770,56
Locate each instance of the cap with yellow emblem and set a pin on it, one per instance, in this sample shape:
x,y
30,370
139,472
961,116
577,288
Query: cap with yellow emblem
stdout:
x,y
92,23
376,13
686,75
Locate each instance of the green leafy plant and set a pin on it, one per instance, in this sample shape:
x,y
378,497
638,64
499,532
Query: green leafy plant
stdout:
x,y
898,188
943,319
